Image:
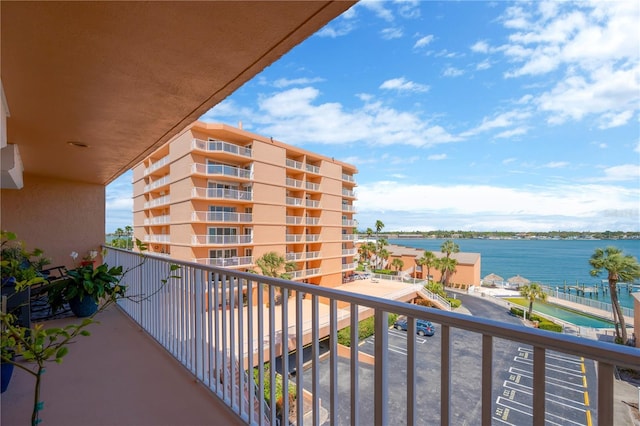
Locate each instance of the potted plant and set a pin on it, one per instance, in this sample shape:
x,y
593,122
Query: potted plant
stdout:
x,y
84,287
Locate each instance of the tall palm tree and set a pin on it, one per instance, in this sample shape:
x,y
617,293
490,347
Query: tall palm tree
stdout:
x,y
397,263
380,246
420,261
272,264
369,232
532,292
379,227
447,266
619,267
429,259
449,247
383,255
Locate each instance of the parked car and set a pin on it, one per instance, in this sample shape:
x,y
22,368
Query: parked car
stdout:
x,y
423,327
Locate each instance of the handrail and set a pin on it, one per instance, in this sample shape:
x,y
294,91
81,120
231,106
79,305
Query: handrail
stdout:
x,y
200,319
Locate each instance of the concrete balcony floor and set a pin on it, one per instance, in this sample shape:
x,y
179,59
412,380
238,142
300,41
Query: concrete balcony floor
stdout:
x,y
117,376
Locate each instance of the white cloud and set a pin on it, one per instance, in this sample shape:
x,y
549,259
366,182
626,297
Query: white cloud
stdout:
x,y
480,47
506,119
452,72
437,157
522,130
424,41
622,173
378,8
409,9
484,65
391,33
286,82
556,165
611,119
401,84
483,207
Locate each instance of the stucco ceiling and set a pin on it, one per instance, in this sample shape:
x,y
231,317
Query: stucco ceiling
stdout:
x,y
123,77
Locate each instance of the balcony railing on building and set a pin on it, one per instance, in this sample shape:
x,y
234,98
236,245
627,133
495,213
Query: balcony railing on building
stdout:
x,y
292,201
312,203
312,186
294,238
312,220
313,254
305,273
294,182
165,199
226,262
312,237
348,266
312,169
221,146
348,178
222,193
199,318
157,238
157,183
349,251
157,164
229,217
348,222
158,220
293,256
349,237
220,170
348,208
294,220
220,240
293,164
348,193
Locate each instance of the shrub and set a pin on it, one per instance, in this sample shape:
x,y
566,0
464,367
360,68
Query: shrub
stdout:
x,y
455,303
366,328
543,323
423,302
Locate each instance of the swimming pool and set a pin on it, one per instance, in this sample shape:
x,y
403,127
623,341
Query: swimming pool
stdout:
x,y
570,316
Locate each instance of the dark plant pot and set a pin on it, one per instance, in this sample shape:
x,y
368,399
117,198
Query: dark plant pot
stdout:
x,y
7,372
83,308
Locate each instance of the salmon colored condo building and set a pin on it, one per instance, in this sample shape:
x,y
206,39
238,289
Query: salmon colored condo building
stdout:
x,y
222,196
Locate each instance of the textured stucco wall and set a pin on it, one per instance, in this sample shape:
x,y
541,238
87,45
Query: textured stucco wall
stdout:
x,y
57,216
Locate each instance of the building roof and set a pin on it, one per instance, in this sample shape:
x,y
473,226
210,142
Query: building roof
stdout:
x,y
461,257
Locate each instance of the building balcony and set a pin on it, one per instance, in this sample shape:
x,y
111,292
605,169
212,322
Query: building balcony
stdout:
x,y
228,262
312,220
312,203
157,165
349,237
224,217
196,329
348,266
349,252
158,220
292,257
348,222
310,168
294,182
221,240
312,237
293,164
292,201
157,183
221,194
310,186
348,193
294,220
313,254
348,208
221,147
220,170
294,238
348,178
166,199
158,238
305,273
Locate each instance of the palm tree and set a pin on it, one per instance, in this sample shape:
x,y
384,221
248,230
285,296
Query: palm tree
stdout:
x,y
379,226
397,263
420,261
379,247
272,264
619,267
532,292
369,232
447,266
449,247
383,255
429,260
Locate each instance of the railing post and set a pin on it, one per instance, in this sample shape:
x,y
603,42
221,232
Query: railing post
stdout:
x,y
381,385
605,394
539,381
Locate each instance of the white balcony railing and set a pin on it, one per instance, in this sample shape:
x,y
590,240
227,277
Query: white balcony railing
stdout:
x,y
348,208
294,238
305,273
292,201
312,186
348,193
157,202
294,182
349,237
348,266
156,165
312,237
312,203
348,178
157,238
221,193
294,164
294,256
313,254
219,240
227,262
220,170
229,217
348,222
312,169
157,183
199,318
221,146
312,220
349,252
158,220
294,220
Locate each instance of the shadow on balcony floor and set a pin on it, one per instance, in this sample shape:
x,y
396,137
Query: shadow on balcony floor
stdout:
x,y
117,376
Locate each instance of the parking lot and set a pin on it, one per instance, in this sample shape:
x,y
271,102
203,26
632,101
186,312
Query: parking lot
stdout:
x,y
568,402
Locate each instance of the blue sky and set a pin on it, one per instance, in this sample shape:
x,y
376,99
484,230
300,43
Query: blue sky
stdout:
x,y
471,115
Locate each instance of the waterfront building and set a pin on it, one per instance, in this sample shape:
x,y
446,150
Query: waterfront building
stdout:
x,y
222,196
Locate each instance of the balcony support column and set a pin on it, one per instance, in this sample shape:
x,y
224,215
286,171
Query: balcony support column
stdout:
x,y
539,386
487,374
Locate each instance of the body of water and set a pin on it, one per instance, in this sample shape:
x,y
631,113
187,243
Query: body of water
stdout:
x,y
552,263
